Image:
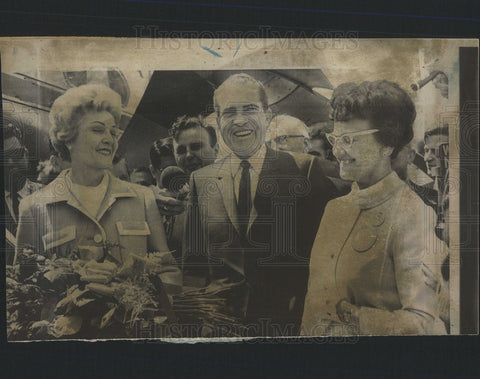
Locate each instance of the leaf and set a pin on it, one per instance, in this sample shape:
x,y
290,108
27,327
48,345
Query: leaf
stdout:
x,y
66,326
101,289
70,298
72,289
159,319
56,274
80,303
39,324
63,263
107,317
11,283
103,279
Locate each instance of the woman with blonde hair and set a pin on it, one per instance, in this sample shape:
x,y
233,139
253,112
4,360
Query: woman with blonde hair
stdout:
x,y
86,211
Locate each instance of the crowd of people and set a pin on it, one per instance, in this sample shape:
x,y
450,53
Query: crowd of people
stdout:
x,y
335,229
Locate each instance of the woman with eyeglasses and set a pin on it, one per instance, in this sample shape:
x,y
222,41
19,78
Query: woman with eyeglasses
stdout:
x,y
86,211
375,264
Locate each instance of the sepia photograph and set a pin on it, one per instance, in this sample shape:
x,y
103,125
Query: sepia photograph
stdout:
x,y
228,189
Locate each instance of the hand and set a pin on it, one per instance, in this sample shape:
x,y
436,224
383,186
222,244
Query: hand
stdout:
x,y
347,312
168,204
132,267
97,272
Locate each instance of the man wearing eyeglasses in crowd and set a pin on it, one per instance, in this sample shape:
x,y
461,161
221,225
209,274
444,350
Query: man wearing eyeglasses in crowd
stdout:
x,y
287,133
17,185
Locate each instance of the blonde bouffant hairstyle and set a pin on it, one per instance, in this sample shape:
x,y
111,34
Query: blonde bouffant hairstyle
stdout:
x,y
69,108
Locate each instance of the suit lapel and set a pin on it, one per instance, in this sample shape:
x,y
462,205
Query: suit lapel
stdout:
x,y
272,167
269,170
226,186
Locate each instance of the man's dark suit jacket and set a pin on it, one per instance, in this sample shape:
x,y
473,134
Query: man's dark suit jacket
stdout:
x,y
270,265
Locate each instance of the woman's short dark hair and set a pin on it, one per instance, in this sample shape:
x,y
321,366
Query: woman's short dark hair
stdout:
x,y
384,104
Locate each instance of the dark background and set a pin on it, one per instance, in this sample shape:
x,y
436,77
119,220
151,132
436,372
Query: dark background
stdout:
x,y
388,356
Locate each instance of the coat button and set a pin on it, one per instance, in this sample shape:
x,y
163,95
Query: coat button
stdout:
x,y
98,238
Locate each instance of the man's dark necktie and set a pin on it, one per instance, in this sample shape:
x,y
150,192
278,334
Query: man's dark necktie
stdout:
x,y
244,197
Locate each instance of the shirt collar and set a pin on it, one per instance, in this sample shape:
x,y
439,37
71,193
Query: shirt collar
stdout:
x,y
58,189
256,161
378,193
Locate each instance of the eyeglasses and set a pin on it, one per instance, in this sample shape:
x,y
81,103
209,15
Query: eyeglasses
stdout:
x,y
348,139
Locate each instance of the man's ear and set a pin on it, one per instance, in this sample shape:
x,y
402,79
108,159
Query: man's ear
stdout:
x,y
216,148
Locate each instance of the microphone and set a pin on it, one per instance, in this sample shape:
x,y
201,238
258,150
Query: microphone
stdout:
x,y
174,179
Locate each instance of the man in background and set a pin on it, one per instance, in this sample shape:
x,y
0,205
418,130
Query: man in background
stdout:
x,y
287,133
319,145
404,165
436,158
17,185
194,145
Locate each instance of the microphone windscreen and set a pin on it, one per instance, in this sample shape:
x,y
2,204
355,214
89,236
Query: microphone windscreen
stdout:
x,y
173,178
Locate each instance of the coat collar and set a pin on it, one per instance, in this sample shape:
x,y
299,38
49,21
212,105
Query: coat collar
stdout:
x,y
378,193
256,161
59,191
264,161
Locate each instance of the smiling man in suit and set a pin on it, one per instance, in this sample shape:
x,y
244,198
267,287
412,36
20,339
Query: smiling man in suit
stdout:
x,y
253,215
